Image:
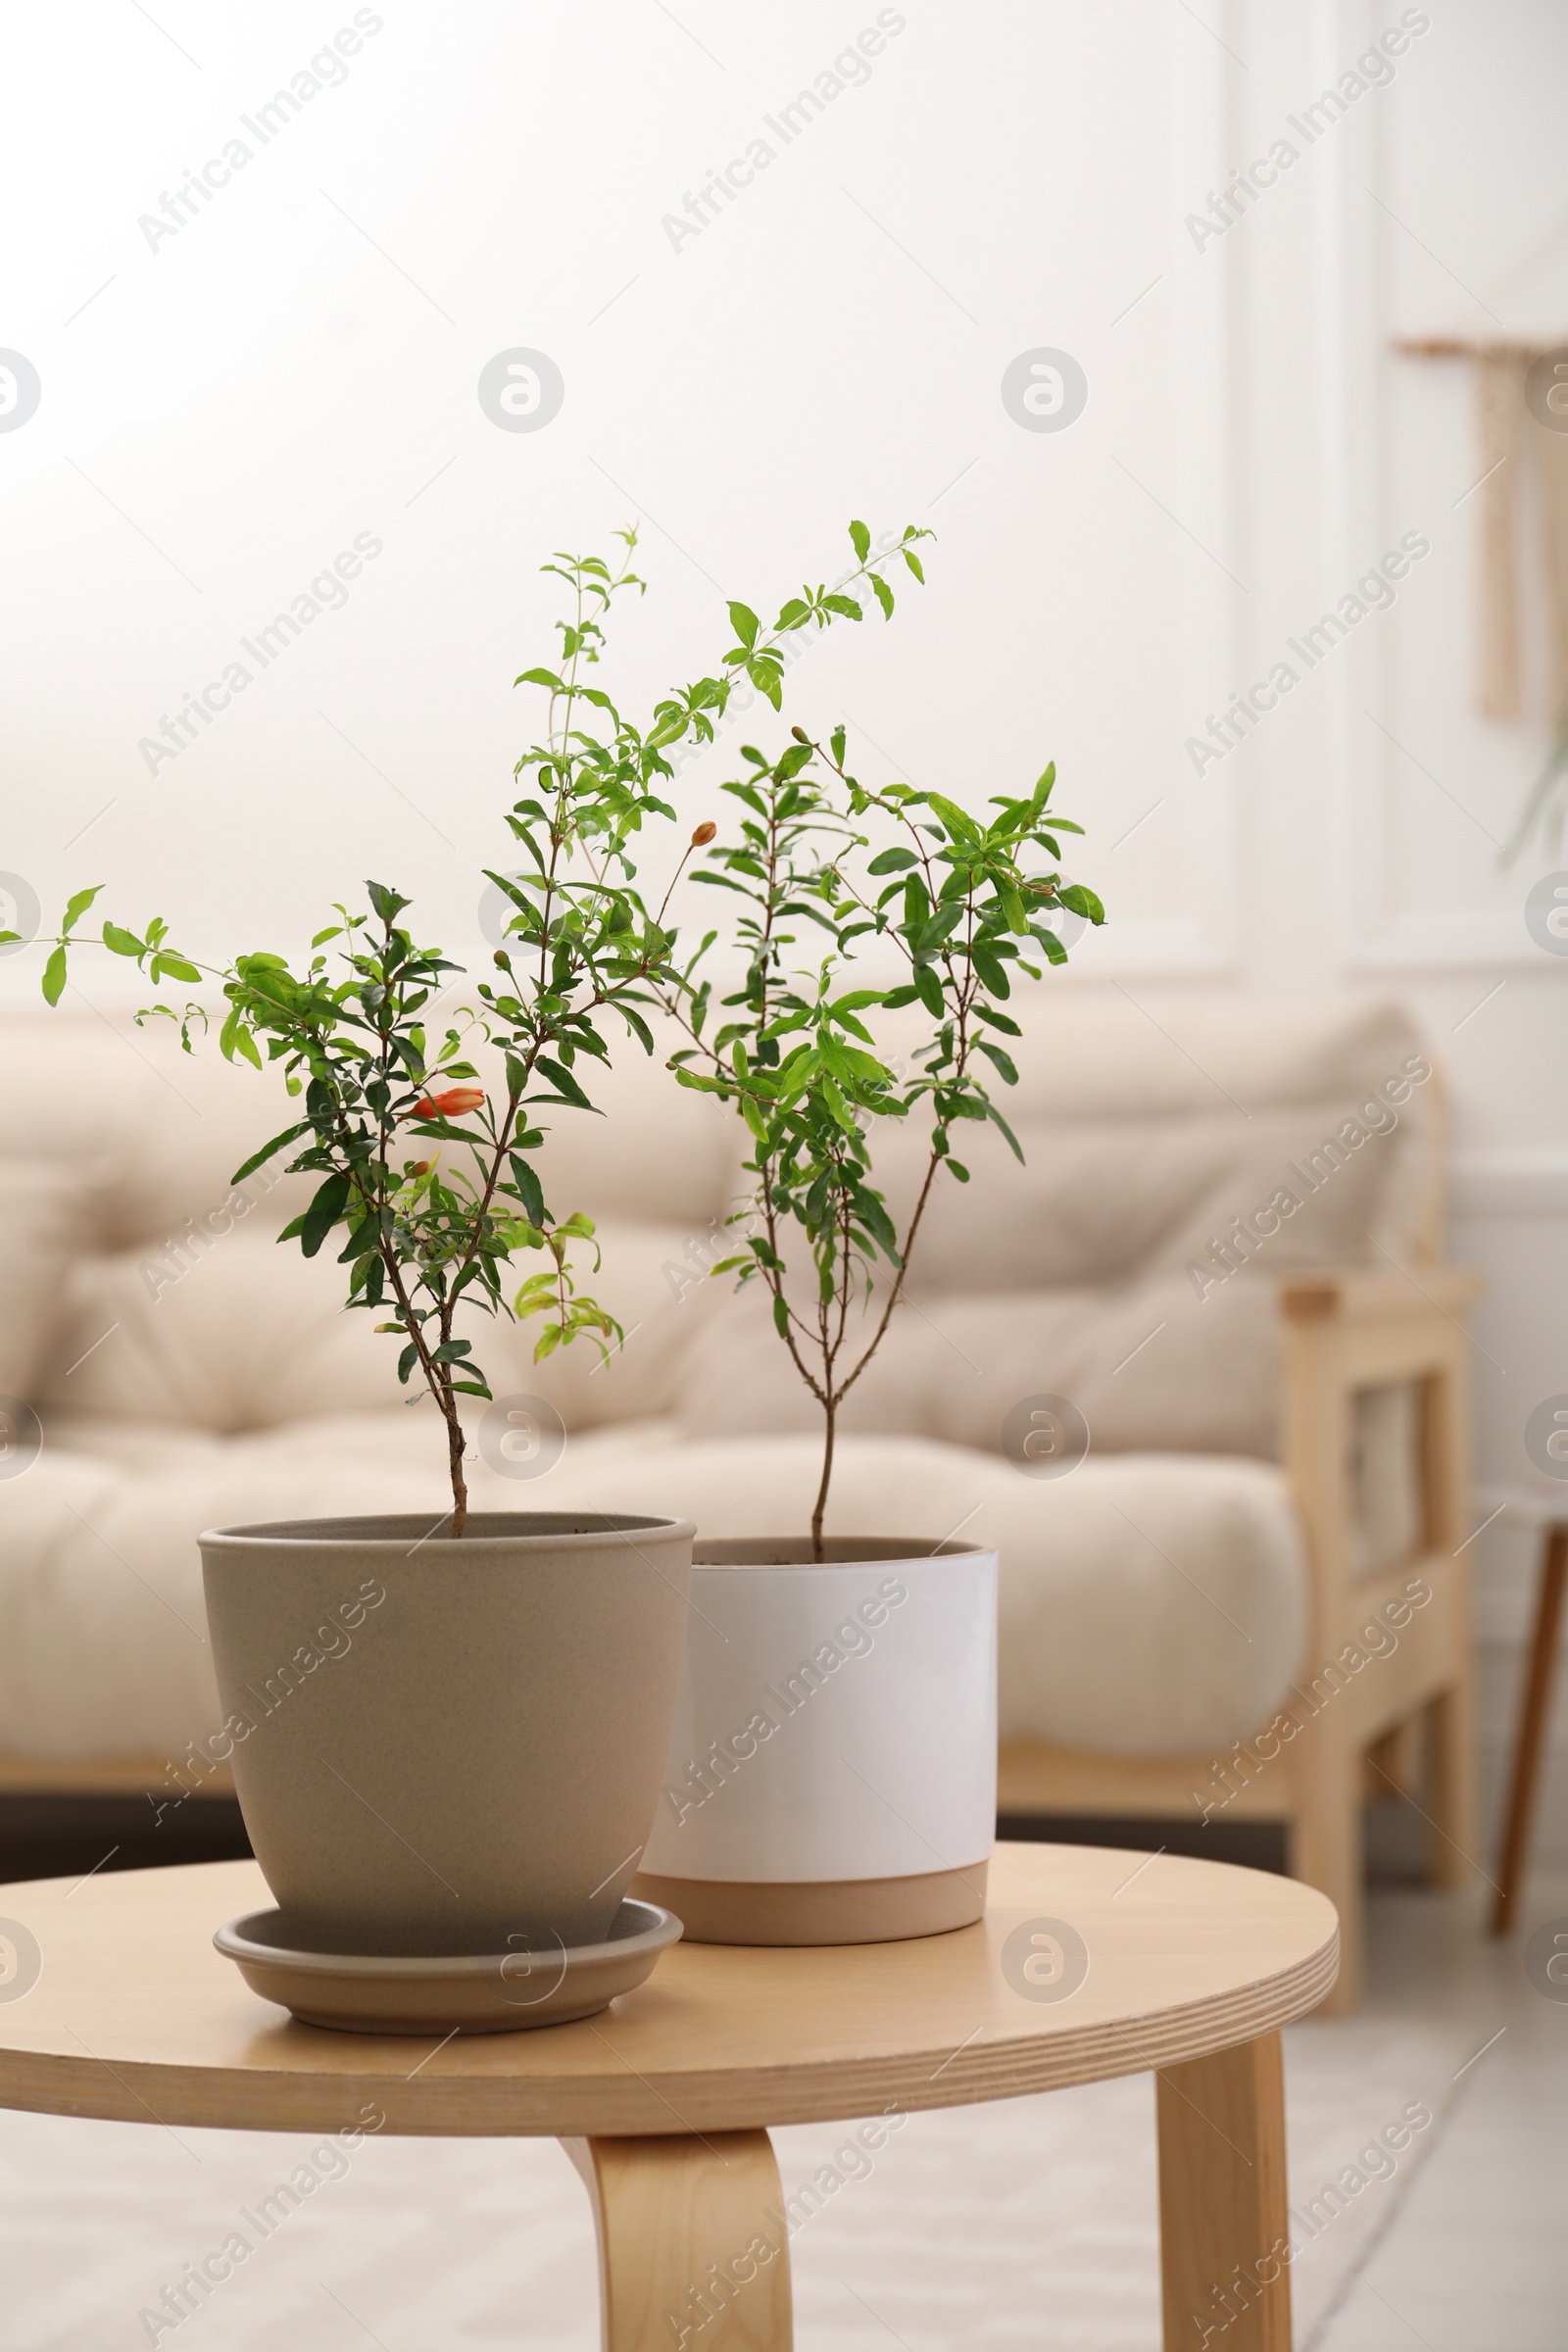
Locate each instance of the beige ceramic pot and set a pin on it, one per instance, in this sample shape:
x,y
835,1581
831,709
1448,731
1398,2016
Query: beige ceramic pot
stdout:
x,y
449,1746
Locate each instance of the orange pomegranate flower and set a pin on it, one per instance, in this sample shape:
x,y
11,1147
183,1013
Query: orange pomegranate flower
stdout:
x,y
449,1105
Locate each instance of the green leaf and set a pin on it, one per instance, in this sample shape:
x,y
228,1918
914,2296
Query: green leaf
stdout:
x,y
364,1237
1082,901
929,990
1056,953
961,826
884,595
388,903
764,676
323,1213
988,964
638,1027
873,1215
541,677
528,1192
407,1360
913,562
999,1021
121,943
288,1136
563,1082
54,976
891,861
745,623
781,1314
995,1115
837,1106
860,540
942,925
77,908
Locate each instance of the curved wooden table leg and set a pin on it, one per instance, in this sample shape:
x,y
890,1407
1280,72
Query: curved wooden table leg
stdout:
x,y
1224,2218
693,2246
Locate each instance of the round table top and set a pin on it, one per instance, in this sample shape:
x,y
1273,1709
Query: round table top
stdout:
x,y
134,2015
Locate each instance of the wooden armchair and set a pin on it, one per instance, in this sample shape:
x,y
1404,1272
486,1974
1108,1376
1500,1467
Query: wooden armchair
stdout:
x,y
1384,1706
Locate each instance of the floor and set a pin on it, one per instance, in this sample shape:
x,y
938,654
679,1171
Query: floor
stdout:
x,y
1028,2225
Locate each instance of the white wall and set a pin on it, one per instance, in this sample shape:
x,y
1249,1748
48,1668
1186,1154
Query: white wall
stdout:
x,y
225,409
1376,801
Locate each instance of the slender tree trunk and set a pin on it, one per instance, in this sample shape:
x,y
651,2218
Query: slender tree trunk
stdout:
x,y
460,1485
819,1508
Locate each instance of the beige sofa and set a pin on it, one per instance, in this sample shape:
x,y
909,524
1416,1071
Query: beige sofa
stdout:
x,y
1169,1606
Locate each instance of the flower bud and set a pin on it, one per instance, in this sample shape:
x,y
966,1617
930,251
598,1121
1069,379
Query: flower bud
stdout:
x,y
800,735
704,835
454,1104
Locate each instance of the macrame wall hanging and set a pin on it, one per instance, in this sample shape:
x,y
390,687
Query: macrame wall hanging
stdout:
x,y
1522,476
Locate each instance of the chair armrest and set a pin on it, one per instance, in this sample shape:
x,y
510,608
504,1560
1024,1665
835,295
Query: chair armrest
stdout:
x,y
1378,1294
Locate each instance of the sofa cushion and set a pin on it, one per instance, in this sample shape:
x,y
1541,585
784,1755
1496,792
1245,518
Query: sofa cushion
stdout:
x,y
242,1335
43,1209
171,1127
234,1332
1108,1201
1149,1365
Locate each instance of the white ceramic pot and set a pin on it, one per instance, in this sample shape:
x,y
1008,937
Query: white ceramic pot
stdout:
x,y
832,1778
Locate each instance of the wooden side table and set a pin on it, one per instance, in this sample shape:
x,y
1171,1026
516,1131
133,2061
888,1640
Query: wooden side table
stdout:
x,y
1086,1965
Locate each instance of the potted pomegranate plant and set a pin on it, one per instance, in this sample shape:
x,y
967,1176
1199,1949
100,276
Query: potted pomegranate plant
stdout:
x,y
858,1802
484,1777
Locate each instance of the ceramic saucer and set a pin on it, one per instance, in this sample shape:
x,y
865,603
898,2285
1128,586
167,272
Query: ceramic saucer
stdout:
x,y
485,1992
